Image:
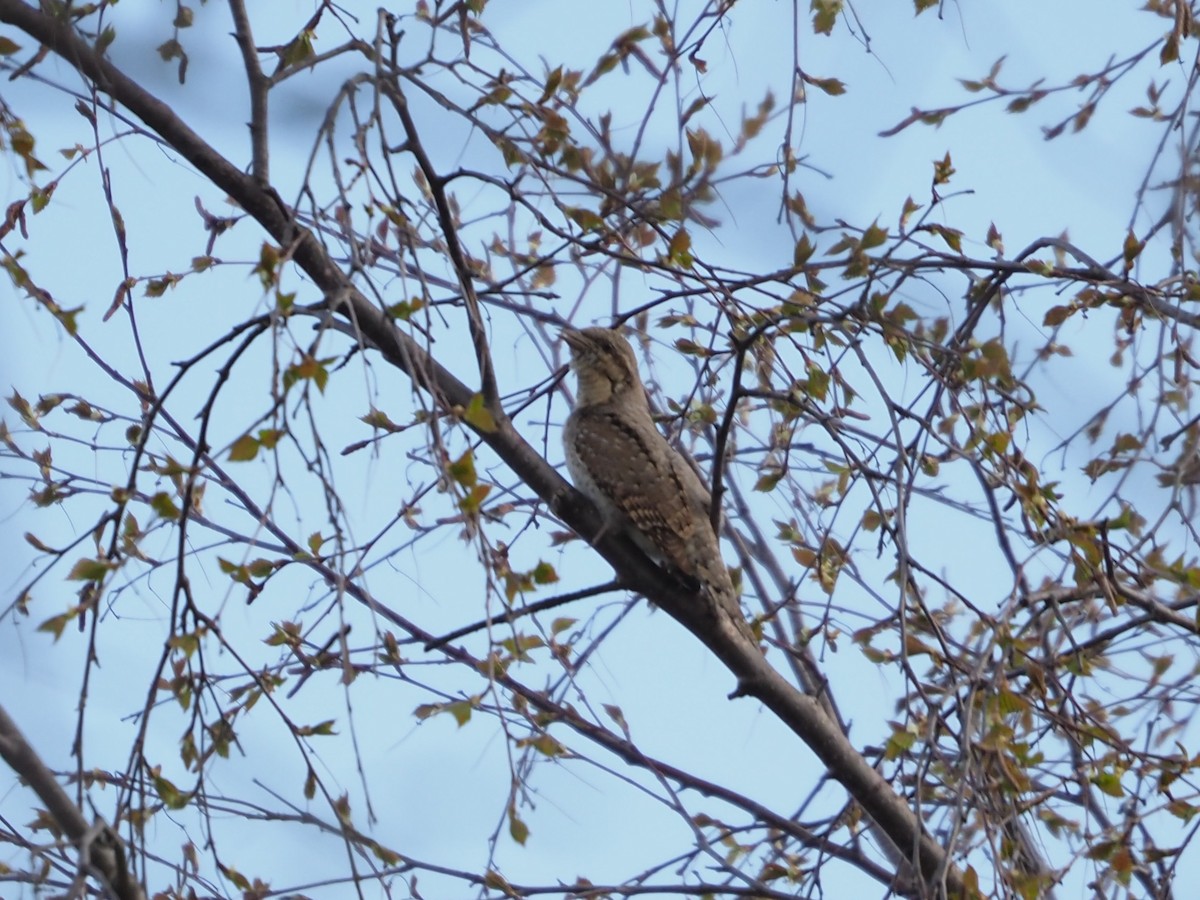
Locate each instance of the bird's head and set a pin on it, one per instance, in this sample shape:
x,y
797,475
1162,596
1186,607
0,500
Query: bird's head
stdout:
x,y
604,365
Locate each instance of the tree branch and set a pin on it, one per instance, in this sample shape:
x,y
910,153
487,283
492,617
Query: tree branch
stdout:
x,y
259,86
100,847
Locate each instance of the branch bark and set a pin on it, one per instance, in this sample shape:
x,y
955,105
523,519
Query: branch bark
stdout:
x,y
101,849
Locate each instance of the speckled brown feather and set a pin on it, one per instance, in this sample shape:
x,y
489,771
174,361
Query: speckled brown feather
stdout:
x,y
629,471
639,482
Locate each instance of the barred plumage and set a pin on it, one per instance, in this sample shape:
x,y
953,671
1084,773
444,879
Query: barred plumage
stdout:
x,y
638,481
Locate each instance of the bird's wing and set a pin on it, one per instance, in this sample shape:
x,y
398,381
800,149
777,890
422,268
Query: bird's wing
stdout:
x,y
697,492
637,471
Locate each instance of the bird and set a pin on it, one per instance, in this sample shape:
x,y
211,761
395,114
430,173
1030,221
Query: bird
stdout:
x,y
640,484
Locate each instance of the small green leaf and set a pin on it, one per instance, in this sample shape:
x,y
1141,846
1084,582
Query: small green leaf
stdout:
x,y
171,796
377,418
517,828
873,237
89,570
170,49
162,504
825,14
943,169
478,416
107,36
473,501
543,573
1056,315
1132,249
679,249
404,309
55,624
310,784
898,744
553,80
994,240
300,50
584,218
548,746
495,881
461,710
691,348
1109,783
832,86
462,470
952,236
767,481
244,449
1170,49
804,250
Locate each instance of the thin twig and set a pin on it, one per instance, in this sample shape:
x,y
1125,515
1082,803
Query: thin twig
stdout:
x,y
513,614
259,86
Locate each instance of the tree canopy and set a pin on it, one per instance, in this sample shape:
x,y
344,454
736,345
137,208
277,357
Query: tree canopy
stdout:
x,y
299,599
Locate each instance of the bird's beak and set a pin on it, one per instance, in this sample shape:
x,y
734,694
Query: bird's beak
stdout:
x,y
574,338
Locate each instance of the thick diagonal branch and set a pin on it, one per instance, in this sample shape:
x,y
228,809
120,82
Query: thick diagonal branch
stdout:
x,y
103,849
